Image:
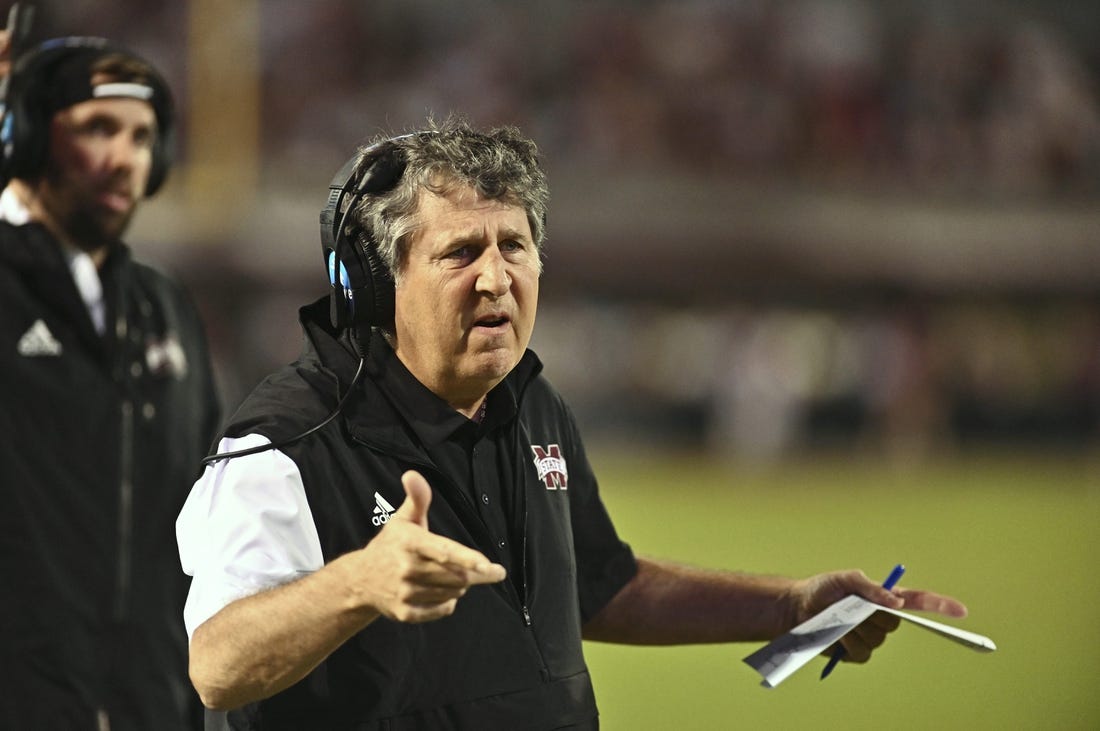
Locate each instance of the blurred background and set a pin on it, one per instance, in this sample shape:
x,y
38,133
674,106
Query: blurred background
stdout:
x,y
774,226
834,264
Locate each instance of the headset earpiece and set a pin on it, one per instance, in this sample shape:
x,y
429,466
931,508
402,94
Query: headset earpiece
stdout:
x,y
362,286
362,289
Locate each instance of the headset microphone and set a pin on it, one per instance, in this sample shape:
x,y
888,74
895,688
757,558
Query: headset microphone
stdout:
x,y
212,458
362,294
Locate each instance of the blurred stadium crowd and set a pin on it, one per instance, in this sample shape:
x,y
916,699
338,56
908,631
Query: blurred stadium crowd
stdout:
x,y
903,380
833,90
959,103
984,95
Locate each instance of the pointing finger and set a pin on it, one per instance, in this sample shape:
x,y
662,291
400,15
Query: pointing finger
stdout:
x,y
456,557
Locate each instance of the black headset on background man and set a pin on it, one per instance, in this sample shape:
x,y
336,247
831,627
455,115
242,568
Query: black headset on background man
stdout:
x,y
25,124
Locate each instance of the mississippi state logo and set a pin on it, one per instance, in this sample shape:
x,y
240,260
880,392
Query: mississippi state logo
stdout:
x,y
551,467
166,357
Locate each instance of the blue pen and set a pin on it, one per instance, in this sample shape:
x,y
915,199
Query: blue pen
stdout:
x,y
838,653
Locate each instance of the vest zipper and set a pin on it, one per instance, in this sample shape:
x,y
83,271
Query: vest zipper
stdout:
x,y
124,555
125,509
520,476
518,594
521,485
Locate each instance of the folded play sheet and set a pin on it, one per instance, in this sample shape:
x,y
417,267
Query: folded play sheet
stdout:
x,y
780,658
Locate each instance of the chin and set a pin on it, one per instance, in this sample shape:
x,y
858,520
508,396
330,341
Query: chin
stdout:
x,y
496,365
99,230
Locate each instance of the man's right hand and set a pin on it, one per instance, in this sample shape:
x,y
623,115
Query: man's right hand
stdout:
x,y
262,644
410,574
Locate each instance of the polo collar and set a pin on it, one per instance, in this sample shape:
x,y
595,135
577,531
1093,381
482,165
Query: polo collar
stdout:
x,y
392,394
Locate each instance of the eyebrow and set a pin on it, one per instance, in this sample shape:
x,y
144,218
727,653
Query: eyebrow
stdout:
x,y
104,116
475,237
503,233
515,234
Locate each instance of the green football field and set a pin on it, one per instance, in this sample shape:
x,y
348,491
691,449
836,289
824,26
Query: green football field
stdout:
x,y
1014,537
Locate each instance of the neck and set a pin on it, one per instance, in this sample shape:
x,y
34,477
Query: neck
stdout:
x,y
30,198
474,411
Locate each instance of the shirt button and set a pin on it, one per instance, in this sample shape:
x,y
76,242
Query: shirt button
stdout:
x,y
501,544
484,498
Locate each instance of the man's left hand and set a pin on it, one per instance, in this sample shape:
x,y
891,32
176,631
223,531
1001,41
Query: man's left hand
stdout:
x,y
811,596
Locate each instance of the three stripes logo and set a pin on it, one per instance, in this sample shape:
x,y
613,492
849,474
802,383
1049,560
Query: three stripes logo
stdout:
x,y
382,510
38,341
551,467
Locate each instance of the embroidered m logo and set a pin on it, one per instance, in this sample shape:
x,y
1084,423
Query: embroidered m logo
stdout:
x,y
551,467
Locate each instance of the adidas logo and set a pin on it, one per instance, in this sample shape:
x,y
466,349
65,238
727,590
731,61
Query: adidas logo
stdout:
x,y
38,341
382,510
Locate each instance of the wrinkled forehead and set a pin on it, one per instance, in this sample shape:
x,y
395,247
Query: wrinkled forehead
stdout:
x,y
462,213
123,111
457,190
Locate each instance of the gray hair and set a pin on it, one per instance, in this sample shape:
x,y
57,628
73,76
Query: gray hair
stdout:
x,y
500,164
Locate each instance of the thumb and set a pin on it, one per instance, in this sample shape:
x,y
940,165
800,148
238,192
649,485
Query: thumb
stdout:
x,y
418,496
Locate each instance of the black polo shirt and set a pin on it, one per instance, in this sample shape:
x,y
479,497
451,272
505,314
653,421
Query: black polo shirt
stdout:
x,y
511,655
474,454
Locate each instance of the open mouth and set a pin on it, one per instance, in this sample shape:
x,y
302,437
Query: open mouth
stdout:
x,y
116,200
493,321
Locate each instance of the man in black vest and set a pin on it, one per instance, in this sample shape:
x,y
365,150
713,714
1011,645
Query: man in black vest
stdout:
x,y
107,402
402,530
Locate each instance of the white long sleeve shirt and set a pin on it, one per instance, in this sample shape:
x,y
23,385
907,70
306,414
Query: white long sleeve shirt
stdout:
x,y
245,527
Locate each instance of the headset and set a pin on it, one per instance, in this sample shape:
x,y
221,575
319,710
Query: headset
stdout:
x,y
20,18
25,124
362,294
362,285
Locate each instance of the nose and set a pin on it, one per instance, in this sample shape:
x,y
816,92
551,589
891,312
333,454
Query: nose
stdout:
x,y
493,277
129,155
122,152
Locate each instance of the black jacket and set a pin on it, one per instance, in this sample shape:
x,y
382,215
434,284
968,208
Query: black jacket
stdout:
x,y
99,438
510,657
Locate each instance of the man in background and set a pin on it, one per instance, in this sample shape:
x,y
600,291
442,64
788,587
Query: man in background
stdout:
x,y
108,401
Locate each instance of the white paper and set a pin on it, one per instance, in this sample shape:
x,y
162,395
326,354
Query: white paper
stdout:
x,y
784,655
974,641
